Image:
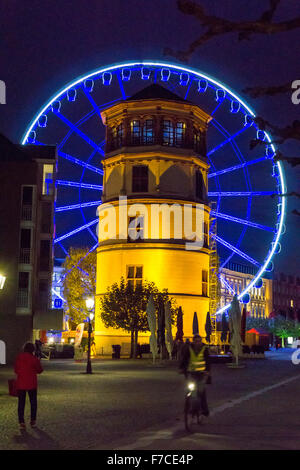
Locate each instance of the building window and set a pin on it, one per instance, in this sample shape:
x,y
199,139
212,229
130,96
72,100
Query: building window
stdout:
x,y
148,132
117,135
48,186
168,134
136,228
23,290
199,185
25,246
135,132
46,219
205,283
180,134
198,141
134,275
140,179
45,255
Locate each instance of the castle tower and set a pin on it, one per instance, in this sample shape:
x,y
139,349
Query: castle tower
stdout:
x,y
155,154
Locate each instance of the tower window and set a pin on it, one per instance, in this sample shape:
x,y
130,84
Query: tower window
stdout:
x,y
140,179
198,141
199,185
134,275
136,228
205,283
180,134
168,134
135,132
148,134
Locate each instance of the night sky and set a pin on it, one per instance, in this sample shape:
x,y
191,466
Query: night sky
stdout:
x,y
46,44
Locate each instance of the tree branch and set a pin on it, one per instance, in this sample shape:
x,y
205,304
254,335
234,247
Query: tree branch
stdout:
x,y
216,26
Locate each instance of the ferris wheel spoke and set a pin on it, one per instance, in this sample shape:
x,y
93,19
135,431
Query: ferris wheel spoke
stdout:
x,y
241,193
77,206
124,96
79,132
226,284
237,167
226,141
236,250
242,221
76,230
75,184
77,161
92,101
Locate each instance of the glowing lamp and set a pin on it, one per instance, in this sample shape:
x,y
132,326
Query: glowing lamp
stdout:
x,y
246,299
259,284
2,281
89,302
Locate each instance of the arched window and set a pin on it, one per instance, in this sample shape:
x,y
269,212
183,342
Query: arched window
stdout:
x,y
168,133
135,132
180,134
148,132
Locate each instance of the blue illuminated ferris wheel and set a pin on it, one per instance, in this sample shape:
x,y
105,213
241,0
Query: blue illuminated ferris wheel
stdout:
x,y
245,186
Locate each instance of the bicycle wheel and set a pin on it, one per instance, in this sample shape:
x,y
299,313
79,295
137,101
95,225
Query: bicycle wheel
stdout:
x,y
190,414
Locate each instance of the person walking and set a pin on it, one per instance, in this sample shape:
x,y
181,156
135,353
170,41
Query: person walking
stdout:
x,y
27,366
195,363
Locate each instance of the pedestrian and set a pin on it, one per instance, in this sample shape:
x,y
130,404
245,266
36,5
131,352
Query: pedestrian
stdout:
x,y
27,366
38,348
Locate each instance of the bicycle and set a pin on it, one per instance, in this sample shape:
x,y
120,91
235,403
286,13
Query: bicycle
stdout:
x,y
192,405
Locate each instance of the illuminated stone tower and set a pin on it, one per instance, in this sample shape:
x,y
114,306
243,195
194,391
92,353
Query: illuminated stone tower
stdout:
x,y
155,154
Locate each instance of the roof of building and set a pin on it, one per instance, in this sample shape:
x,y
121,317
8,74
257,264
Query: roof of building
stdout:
x,y
155,91
10,152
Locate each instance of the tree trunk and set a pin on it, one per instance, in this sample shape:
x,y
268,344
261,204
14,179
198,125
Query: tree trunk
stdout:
x,y
132,344
136,333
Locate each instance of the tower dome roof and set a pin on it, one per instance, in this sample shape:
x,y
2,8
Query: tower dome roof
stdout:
x,y
155,91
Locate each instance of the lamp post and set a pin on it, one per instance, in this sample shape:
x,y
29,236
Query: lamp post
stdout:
x,y
89,305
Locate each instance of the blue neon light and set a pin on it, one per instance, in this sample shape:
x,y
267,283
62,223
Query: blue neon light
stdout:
x,y
236,250
77,206
236,167
240,193
165,75
242,221
97,187
106,78
202,86
80,162
73,232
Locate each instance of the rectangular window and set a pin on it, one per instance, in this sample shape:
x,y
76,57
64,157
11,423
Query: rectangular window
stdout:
x,y
135,132
199,185
48,187
205,283
25,246
140,179
46,219
23,290
148,134
180,134
136,228
168,133
205,226
134,275
27,192
45,255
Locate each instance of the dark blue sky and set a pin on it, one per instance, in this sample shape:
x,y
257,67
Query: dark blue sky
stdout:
x,y
45,44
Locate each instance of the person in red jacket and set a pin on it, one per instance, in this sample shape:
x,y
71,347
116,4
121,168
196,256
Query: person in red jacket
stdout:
x,y
27,367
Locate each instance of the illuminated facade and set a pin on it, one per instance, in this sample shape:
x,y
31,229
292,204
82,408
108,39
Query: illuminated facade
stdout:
x,y
235,278
155,154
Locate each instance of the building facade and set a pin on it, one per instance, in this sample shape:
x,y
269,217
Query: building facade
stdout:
x,y
235,278
27,194
286,295
155,154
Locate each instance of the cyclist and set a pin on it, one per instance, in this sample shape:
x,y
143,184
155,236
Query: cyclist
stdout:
x,y
195,364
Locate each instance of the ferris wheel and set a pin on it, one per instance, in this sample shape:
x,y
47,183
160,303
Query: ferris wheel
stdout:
x,y
245,186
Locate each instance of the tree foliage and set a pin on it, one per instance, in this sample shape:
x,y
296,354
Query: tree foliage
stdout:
x,y
123,306
79,282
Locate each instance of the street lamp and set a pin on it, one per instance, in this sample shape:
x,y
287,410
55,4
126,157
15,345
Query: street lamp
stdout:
x,y
89,302
2,281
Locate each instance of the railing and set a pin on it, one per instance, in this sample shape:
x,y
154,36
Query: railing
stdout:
x,y
25,256
22,298
26,212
